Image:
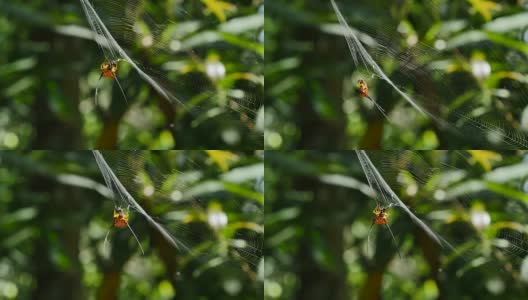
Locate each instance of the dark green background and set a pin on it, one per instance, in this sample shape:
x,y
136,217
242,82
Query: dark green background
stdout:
x,y
47,78
318,216
54,216
311,77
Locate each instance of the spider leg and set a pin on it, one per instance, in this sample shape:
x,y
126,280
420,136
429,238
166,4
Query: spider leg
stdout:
x,y
121,89
106,238
97,87
382,111
137,240
394,240
368,236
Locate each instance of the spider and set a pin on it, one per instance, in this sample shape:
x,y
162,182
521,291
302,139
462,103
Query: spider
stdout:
x,y
121,221
364,92
363,89
109,70
380,218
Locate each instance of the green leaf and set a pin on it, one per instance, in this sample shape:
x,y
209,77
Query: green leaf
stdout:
x,y
508,23
219,8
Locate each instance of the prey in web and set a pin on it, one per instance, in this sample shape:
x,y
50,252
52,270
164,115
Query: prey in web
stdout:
x,y
381,218
121,221
109,70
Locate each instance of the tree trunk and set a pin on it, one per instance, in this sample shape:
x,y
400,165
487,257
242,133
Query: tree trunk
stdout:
x,y
321,279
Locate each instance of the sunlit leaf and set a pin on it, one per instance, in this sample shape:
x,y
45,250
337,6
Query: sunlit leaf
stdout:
x,y
222,158
484,157
484,7
219,8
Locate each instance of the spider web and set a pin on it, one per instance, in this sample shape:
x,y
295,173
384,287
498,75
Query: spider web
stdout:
x,y
189,225
123,196
386,195
122,24
464,117
451,194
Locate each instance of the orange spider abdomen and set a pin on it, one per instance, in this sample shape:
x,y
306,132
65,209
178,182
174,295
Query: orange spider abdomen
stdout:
x,y
363,91
363,88
380,220
120,219
120,222
108,73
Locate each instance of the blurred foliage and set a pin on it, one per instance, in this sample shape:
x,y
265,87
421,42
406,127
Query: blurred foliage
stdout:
x,y
55,210
49,66
319,207
457,58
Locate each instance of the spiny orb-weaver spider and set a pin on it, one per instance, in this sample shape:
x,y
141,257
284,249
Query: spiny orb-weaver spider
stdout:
x,y
120,221
363,89
109,70
380,218
364,92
